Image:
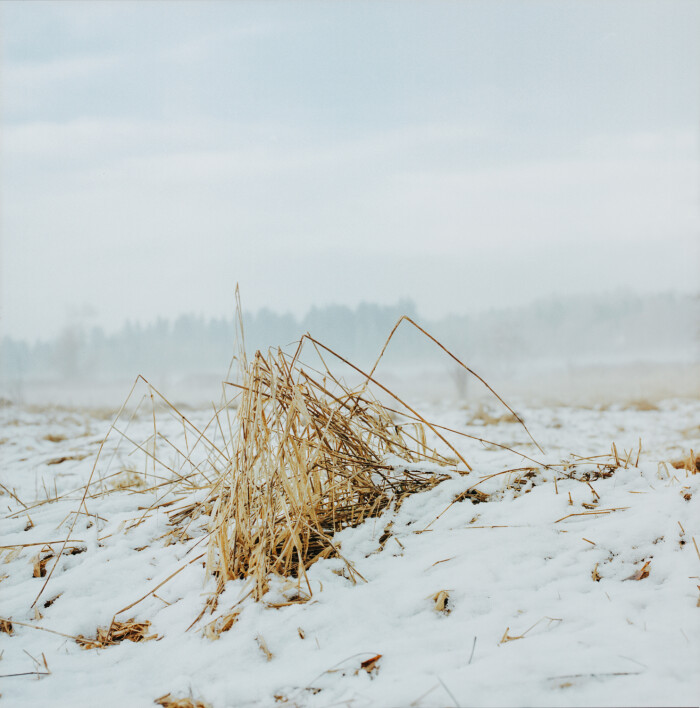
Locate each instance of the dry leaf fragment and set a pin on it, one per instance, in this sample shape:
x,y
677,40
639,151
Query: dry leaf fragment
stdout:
x,y
50,602
6,627
39,564
441,600
370,665
642,573
386,535
595,574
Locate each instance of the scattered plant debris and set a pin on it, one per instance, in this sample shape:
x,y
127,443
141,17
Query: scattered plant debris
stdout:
x,y
507,638
117,632
642,573
690,463
50,602
128,479
65,458
168,701
40,561
215,629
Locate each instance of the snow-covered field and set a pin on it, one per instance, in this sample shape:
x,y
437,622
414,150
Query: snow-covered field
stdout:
x,y
579,591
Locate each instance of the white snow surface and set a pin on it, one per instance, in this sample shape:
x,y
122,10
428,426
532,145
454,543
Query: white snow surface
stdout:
x,y
528,625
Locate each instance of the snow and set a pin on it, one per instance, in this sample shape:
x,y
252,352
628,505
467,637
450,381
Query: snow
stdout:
x,y
526,622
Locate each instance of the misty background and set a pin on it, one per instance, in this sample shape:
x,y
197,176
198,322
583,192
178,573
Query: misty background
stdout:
x,y
639,348
521,177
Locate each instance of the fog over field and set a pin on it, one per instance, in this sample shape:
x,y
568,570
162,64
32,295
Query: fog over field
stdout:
x,y
621,345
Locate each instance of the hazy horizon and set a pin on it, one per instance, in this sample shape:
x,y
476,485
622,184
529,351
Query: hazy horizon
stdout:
x,y
624,349
86,318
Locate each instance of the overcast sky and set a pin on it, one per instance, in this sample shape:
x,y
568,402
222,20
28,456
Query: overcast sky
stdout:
x,y
464,154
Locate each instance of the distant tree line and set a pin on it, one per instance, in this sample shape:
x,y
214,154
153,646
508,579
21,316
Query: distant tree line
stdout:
x,y
570,330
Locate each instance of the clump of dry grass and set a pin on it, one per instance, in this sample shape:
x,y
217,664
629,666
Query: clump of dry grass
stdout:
x,y
309,457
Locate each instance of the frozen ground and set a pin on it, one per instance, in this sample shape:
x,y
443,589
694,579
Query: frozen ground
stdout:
x,y
574,593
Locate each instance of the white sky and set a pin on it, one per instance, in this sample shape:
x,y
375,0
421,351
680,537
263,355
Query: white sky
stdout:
x,y
464,154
